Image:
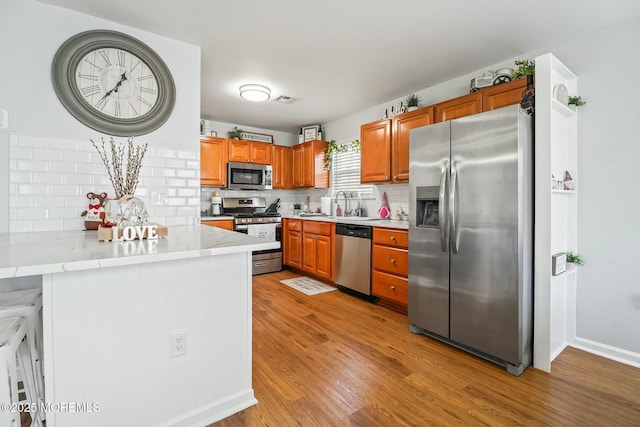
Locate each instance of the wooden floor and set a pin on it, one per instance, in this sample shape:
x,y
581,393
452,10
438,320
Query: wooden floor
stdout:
x,y
334,360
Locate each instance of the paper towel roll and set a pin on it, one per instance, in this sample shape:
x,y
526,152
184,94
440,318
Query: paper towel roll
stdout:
x,y
325,205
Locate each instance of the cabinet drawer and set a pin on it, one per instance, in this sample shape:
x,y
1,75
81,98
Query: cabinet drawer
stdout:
x,y
391,237
390,287
294,224
317,227
391,260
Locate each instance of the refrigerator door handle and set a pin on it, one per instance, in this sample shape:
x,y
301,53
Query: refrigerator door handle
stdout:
x,y
442,214
453,208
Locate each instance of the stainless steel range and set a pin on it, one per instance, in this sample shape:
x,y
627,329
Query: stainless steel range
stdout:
x,y
253,217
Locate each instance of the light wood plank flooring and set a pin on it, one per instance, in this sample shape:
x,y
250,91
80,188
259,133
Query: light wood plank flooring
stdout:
x,y
334,360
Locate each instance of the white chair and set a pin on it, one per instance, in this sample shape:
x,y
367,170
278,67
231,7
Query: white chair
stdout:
x,y
28,304
15,352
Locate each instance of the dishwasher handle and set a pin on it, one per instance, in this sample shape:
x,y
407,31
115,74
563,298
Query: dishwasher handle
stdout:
x,y
359,231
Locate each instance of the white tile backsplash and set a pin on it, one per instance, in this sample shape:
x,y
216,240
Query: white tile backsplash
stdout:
x,y
50,177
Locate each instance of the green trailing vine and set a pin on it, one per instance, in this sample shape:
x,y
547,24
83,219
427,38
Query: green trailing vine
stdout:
x,y
333,148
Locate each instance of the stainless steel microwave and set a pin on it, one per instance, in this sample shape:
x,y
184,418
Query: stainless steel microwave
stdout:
x,y
249,176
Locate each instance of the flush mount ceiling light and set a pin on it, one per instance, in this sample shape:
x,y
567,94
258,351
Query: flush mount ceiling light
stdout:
x,y
254,92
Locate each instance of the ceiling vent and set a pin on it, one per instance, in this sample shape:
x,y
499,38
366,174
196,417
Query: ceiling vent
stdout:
x,y
284,99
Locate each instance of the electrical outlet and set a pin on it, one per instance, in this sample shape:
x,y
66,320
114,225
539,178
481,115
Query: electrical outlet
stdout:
x,y
177,343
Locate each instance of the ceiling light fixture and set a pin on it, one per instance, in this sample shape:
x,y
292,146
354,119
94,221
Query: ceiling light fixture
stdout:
x,y
253,92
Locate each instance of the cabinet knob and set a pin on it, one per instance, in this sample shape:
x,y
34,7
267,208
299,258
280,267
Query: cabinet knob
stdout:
x,y
386,177
393,288
393,261
393,237
395,176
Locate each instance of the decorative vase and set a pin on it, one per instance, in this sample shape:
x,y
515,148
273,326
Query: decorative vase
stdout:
x,y
412,108
132,212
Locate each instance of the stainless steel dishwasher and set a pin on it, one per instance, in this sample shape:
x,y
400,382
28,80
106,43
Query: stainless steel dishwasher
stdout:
x,y
353,260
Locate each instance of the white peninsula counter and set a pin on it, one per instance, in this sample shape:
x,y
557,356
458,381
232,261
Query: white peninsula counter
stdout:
x,y
112,310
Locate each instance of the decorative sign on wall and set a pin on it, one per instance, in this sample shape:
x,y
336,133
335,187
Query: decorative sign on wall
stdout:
x,y
258,137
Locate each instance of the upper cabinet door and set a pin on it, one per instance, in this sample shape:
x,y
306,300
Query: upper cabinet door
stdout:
x,y
504,94
261,153
459,107
402,124
375,152
249,152
213,161
239,151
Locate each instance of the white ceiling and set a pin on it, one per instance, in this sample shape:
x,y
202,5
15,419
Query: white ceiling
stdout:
x,y
337,57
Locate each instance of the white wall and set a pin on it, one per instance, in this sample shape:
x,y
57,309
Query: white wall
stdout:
x,y
31,33
608,294
608,297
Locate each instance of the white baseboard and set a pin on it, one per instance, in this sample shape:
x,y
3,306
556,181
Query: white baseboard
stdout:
x,y
216,411
614,353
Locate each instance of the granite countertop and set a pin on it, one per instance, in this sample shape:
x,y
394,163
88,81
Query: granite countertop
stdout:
x,y
371,221
29,254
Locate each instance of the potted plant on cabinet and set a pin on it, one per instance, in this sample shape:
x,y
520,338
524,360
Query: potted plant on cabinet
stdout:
x,y
412,101
235,133
525,68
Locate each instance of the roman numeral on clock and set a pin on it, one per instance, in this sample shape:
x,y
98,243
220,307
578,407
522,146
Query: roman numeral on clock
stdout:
x,y
105,57
90,90
144,101
121,57
101,103
148,90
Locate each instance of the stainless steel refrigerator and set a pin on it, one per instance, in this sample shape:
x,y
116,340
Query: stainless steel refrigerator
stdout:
x,y
470,235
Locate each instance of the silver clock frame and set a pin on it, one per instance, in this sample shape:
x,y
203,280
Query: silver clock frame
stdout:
x,y
63,71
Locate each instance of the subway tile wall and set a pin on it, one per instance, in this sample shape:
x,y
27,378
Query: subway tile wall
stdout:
x,y
49,179
397,196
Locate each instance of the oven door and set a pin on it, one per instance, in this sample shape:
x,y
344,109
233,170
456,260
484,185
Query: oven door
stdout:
x,y
269,260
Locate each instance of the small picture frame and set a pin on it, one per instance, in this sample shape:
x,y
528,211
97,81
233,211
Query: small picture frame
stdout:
x,y
558,263
309,133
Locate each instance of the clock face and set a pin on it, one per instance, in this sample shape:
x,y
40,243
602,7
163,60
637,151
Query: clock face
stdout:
x,y
117,83
113,83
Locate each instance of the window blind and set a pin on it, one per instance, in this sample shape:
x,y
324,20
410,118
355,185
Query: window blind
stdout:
x,y
345,176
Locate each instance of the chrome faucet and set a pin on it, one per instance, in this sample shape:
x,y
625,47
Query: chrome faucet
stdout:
x,y
345,211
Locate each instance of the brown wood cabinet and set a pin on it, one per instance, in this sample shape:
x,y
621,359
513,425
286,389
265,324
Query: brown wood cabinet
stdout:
x,y
390,267
504,94
309,165
227,224
292,243
458,107
213,161
316,248
384,146
375,152
402,124
250,152
282,167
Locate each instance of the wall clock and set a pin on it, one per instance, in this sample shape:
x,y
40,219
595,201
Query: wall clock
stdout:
x,y
113,83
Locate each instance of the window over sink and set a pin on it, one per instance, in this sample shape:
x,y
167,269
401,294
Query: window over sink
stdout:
x,y
345,176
